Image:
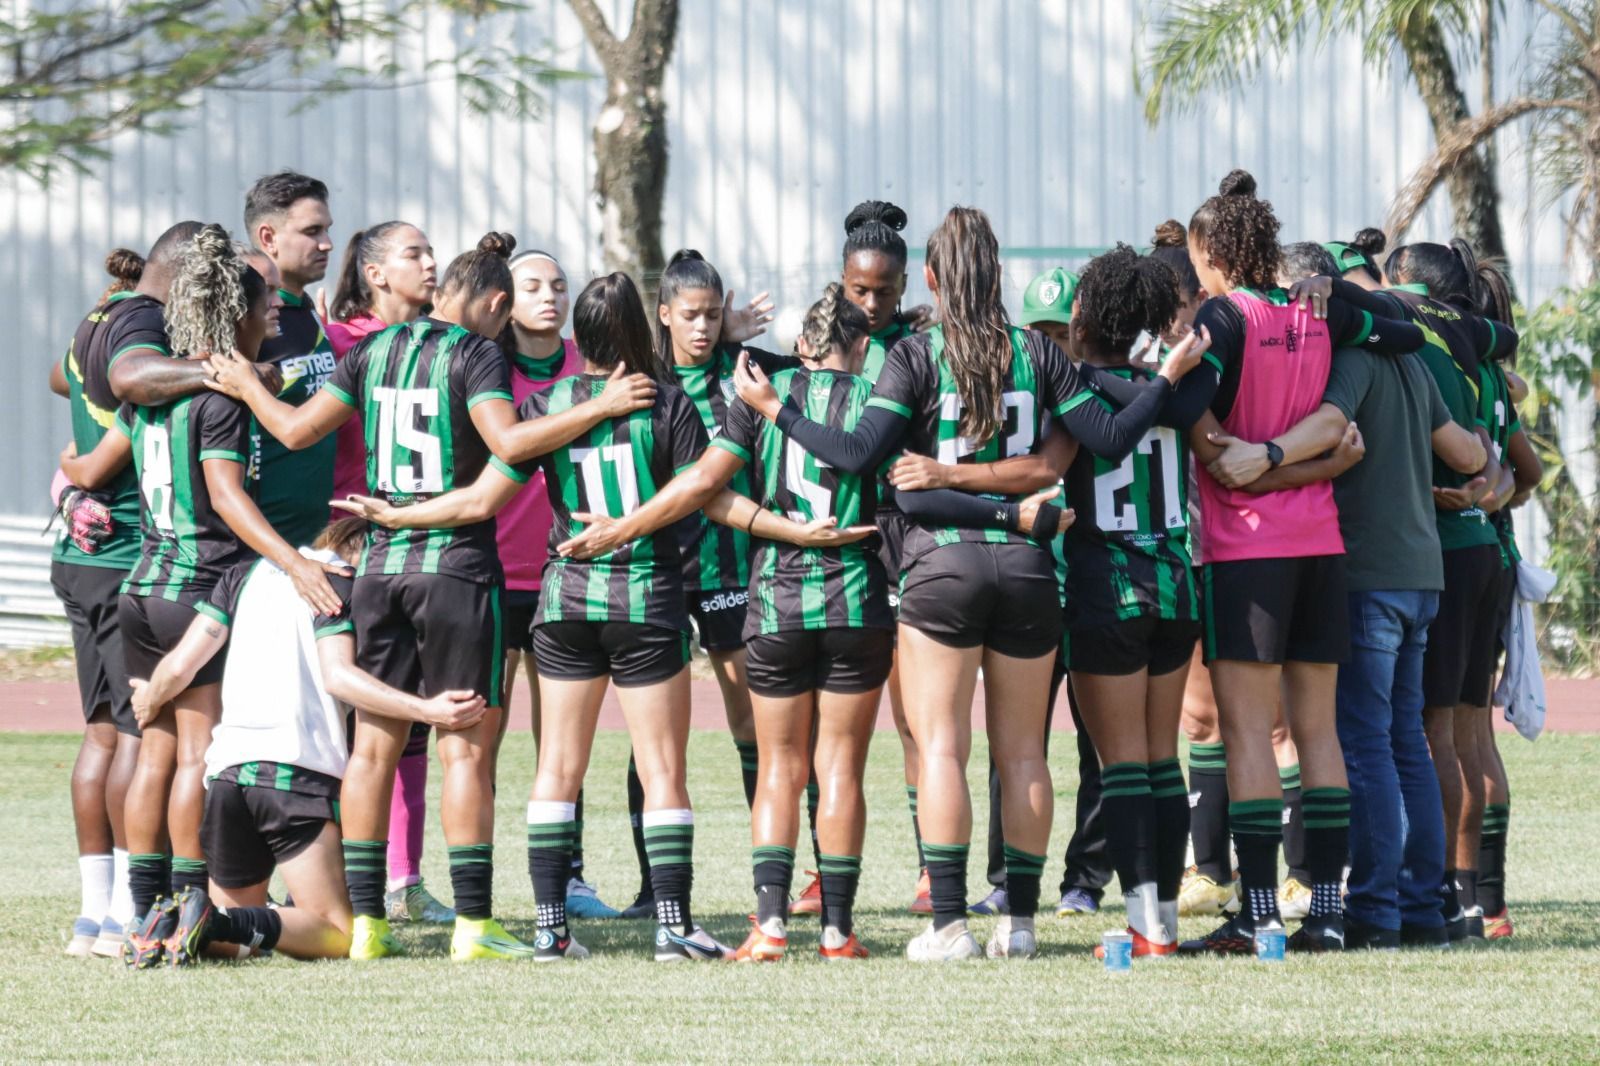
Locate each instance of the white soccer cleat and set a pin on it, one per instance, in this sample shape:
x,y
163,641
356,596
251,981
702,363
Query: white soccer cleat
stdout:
x,y
953,943
1014,938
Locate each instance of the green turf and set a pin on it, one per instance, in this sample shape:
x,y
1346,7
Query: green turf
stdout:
x,y
1536,998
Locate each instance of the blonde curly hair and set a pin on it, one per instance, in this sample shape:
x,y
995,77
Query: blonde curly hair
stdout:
x,y
213,290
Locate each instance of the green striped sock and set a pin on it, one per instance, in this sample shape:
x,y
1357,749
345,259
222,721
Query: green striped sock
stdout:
x,y
668,844
916,826
1327,815
841,875
1125,779
1327,808
472,878
1262,817
1166,779
550,861
947,879
366,866
773,867
1208,758
771,853
1289,776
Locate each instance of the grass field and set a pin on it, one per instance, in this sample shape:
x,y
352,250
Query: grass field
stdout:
x,y
1536,998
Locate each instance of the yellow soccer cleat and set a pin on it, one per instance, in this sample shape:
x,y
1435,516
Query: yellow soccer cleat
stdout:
x,y
485,938
1201,897
370,939
1294,899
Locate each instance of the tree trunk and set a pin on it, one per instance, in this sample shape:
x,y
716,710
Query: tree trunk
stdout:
x,y
1474,194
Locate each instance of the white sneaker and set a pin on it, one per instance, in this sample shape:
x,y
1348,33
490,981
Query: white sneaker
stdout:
x,y
951,944
85,931
108,944
1013,939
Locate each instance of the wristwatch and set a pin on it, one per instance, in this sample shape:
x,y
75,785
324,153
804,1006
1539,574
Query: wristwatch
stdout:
x,y
1274,455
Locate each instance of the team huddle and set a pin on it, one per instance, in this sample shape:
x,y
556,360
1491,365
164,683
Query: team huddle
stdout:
x,y
1151,486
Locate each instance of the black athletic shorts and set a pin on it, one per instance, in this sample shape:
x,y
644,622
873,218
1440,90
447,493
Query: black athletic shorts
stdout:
x,y
630,653
1276,610
247,830
718,617
840,659
517,608
1459,662
1505,603
1117,649
429,633
151,627
891,542
89,594
1000,596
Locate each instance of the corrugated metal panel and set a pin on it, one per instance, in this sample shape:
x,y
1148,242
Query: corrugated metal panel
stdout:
x,y
781,118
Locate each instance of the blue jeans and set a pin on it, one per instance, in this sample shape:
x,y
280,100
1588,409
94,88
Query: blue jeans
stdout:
x,y
1396,818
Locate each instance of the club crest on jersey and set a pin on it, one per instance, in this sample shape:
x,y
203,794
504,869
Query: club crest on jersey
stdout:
x,y
1049,292
729,391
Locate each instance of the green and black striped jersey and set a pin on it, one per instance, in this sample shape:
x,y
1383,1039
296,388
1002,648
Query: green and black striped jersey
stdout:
x,y
127,320
415,385
296,485
809,588
1127,554
610,470
878,345
916,383
1499,414
715,556
187,547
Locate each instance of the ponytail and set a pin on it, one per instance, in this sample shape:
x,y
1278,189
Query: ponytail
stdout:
x,y
964,257
482,270
686,270
609,326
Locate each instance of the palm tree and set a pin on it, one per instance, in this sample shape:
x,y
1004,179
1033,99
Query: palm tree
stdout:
x,y
1206,45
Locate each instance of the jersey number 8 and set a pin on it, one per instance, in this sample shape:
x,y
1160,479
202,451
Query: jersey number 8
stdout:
x,y
398,410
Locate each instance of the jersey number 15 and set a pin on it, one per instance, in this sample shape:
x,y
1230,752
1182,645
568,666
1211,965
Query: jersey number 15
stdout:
x,y
398,410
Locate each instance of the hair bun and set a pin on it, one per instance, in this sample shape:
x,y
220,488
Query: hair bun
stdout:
x,y
1369,241
1237,183
883,211
125,265
500,244
683,254
1171,234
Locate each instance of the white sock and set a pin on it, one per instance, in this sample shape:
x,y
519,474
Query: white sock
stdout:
x,y
121,910
95,875
1144,913
1168,909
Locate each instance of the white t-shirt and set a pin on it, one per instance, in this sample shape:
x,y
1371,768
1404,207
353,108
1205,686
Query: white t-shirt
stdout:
x,y
274,706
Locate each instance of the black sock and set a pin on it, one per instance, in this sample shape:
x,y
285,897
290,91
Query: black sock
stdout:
x,y
916,826
472,880
577,838
366,866
1257,834
636,824
947,877
1327,842
1467,888
1130,819
147,879
551,829
1450,902
995,874
189,873
773,869
669,842
813,797
1171,825
1294,825
1024,871
252,927
1208,781
840,876
749,766
1492,858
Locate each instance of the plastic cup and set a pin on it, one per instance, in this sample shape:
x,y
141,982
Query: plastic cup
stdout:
x,y
1118,950
1271,943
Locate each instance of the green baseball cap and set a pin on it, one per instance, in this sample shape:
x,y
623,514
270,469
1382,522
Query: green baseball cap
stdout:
x,y
1347,257
1048,297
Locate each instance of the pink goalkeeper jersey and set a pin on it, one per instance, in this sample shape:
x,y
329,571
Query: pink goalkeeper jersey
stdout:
x,y
350,447
522,528
1286,358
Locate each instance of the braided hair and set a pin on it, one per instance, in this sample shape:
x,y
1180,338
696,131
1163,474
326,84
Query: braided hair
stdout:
x,y
874,226
1121,294
1239,233
213,290
832,325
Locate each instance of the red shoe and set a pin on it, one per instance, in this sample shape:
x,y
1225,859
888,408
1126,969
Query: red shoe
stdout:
x,y
923,903
850,949
1142,947
1497,926
809,901
759,947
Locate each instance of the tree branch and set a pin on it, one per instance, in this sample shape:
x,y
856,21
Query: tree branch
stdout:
x,y
597,30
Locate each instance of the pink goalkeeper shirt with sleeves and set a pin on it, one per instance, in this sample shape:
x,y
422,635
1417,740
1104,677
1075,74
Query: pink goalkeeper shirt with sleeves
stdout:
x,y
350,447
1286,358
522,528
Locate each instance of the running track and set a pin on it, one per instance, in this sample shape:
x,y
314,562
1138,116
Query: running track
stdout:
x,y
52,707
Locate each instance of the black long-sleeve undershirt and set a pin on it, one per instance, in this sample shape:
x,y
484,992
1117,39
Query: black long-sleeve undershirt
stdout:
x,y
952,507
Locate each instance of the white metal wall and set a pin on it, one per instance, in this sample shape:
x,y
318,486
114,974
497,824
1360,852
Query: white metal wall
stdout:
x,y
781,117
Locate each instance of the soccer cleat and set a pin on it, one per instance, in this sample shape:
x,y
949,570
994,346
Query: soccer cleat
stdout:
x,y
485,938
414,903
584,902
188,938
1202,897
1435,937
550,946
1143,947
996,902
836,947
1317,935
370,939
146,946
1475,925
1498,926
809,901
922,902
111,941
1012,940
1076,901
697,946
85,932
643,906
953,943
1294,900
1360,936
1455,926
762,945
1233,937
